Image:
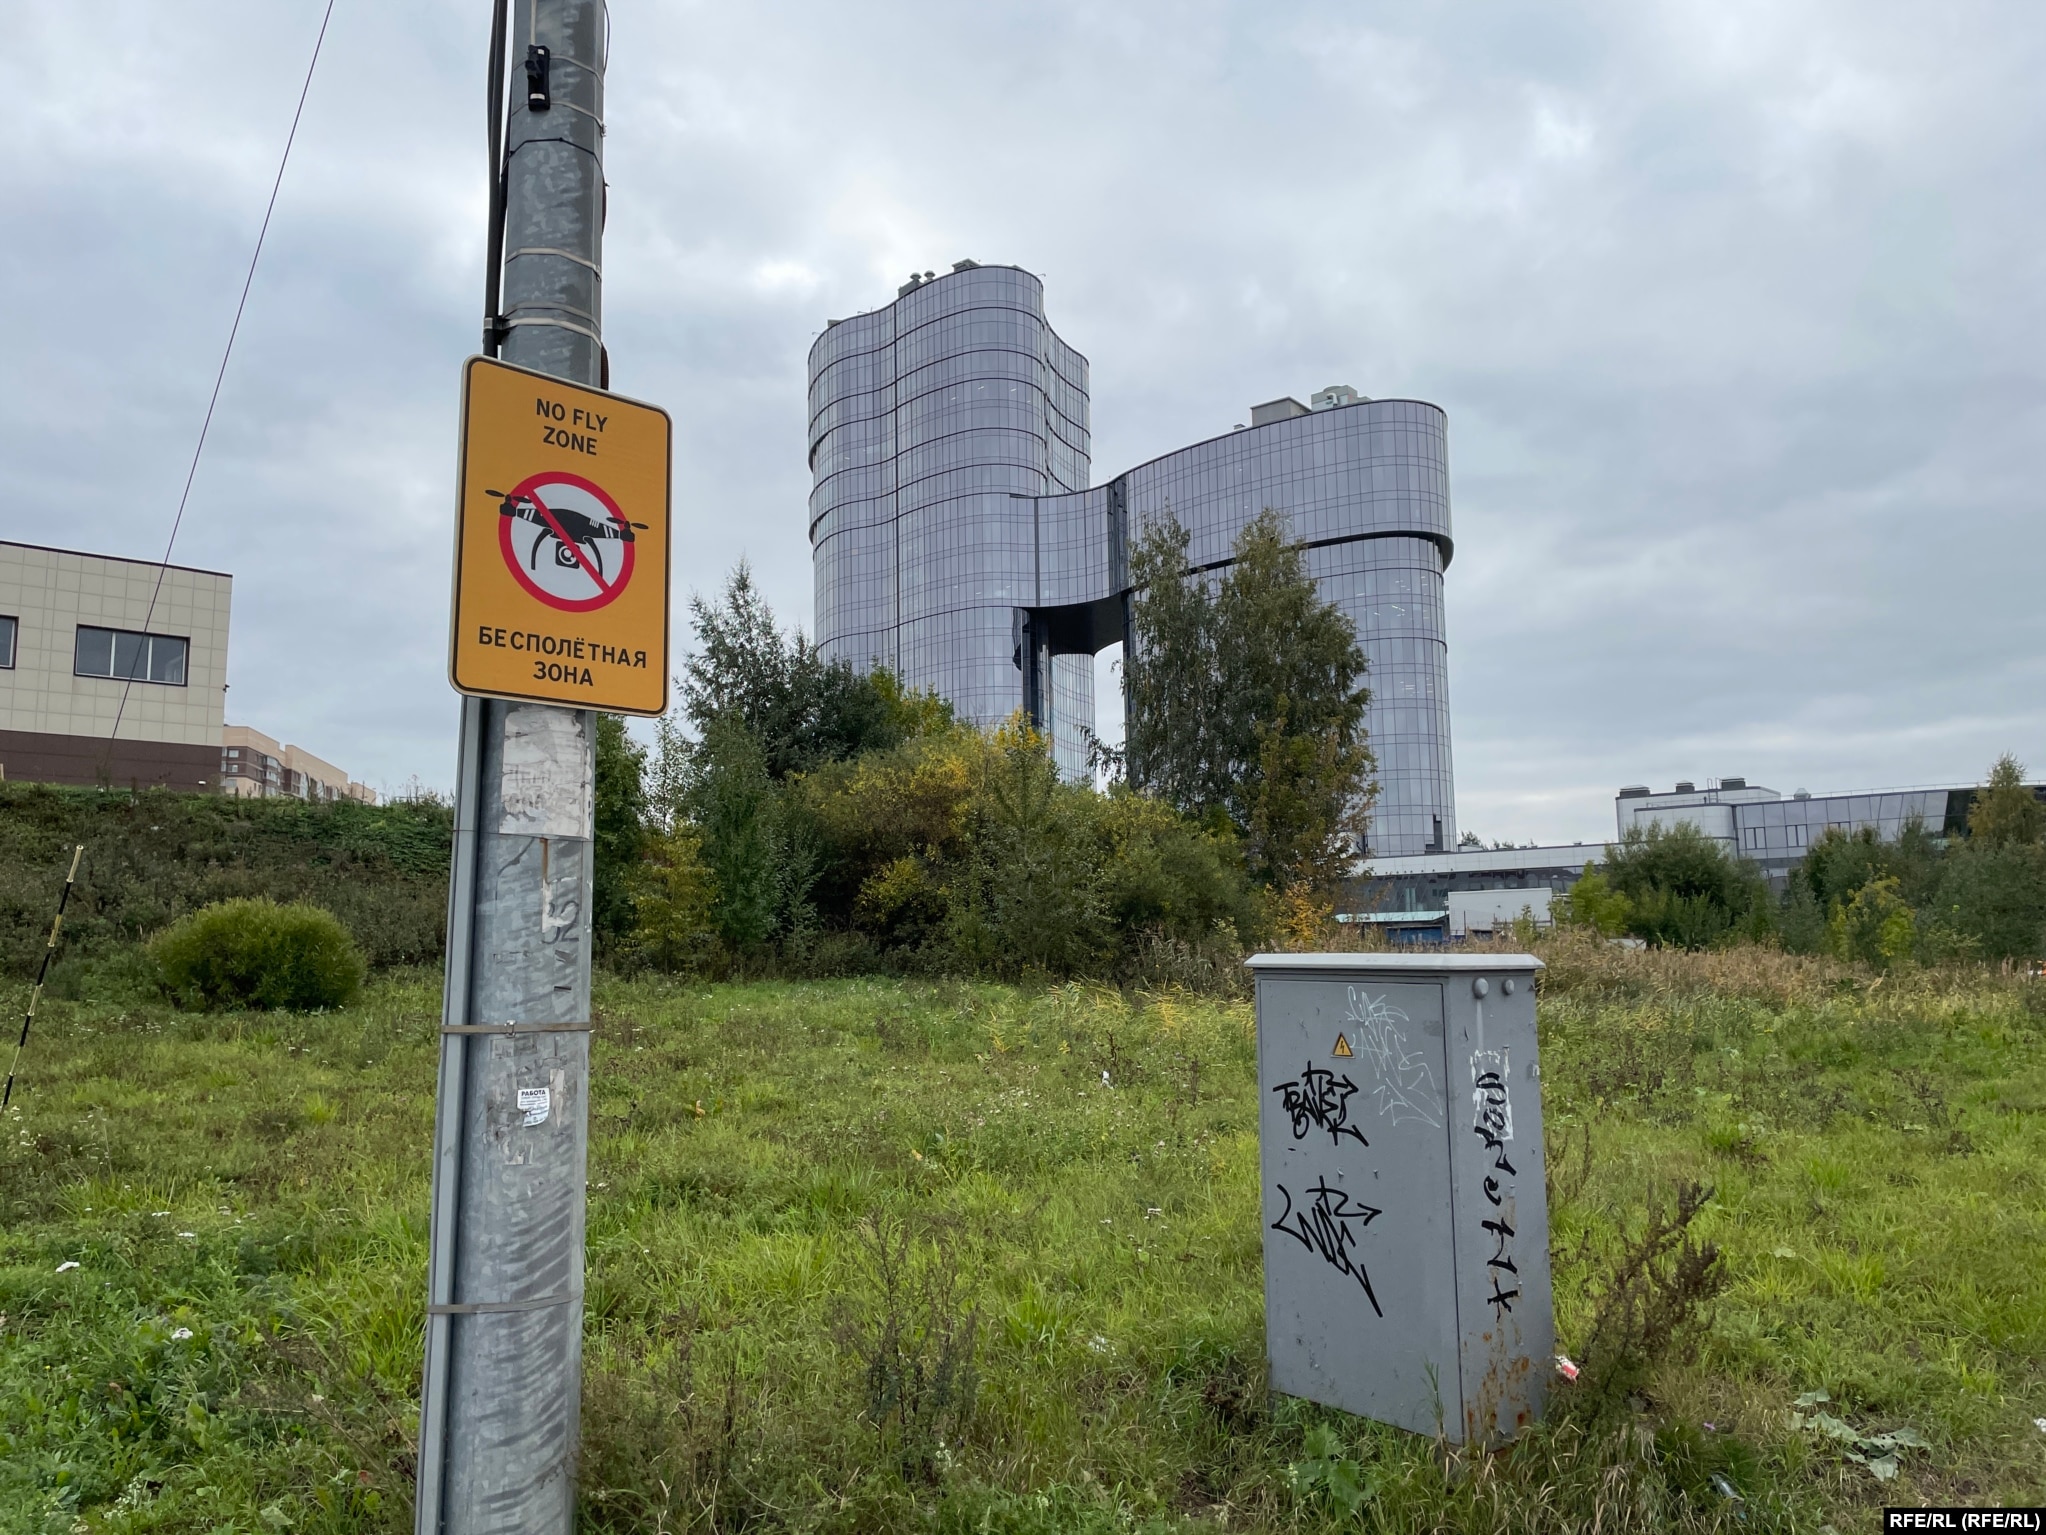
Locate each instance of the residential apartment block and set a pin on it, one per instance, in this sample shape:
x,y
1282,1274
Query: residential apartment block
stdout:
x,y
256,766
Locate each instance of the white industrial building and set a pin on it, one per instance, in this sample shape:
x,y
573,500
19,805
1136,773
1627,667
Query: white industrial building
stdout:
x,y
1433,897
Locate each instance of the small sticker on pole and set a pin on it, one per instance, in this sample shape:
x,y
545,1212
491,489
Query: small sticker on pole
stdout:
x,y
561,544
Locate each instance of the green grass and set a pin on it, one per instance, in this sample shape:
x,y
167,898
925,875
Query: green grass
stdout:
x,y
759,1150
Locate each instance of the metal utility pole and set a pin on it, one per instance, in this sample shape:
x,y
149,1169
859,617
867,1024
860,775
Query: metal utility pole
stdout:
x,y
501,1400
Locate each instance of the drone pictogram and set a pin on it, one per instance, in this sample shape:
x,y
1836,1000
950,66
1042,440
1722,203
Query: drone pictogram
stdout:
x,y
565,540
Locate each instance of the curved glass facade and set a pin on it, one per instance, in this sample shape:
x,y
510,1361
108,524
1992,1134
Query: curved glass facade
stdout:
x,y
957,541
935,423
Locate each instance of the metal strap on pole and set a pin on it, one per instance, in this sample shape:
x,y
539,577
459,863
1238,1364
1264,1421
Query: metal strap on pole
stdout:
x,y
549,250
517,1028
485,1307
553,324
558,105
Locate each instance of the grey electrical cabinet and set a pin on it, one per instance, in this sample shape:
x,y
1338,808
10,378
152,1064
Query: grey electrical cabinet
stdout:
x,y
1405,1209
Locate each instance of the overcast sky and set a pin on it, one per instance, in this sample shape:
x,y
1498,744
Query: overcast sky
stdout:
x,y
1735,308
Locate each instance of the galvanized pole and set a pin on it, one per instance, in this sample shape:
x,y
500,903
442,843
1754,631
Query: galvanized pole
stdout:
x,y
501,1398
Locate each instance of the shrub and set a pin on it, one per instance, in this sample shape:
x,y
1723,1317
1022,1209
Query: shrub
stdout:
x,y
1841,863
2007,813
1037,863
256,953
1652,1302
1995,894
1685,890
1874,926
1593,902
619,832
913,1328
734,807
1165,874
671,894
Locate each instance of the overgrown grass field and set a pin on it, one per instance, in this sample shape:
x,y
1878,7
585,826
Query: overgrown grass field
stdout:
x,y
875,1255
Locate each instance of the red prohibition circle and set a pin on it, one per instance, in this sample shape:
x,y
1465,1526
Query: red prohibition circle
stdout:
x,y
607,593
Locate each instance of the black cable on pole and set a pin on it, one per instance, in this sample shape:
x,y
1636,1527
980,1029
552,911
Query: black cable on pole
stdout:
x,y
42,974
220,374
493,262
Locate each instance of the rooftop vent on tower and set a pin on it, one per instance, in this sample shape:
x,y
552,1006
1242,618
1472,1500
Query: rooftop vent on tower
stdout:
x,y
1280,409
1337,394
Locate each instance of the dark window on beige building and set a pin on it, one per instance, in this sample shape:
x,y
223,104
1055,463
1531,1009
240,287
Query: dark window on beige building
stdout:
x,y
129,657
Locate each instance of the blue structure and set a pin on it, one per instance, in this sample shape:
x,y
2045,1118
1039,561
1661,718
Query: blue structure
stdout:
x,y
959,541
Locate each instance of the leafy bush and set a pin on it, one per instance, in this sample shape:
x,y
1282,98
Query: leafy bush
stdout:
x,y
1874,925
953,851
1593,902
733,800
1840,862
255,953
671,893
1684,891
619,832
825,822
1995,894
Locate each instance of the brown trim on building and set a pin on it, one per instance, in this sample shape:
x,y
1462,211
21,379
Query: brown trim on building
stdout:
x,y
29,756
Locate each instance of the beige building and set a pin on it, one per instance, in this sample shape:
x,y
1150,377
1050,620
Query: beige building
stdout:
x,y
256,766
95,687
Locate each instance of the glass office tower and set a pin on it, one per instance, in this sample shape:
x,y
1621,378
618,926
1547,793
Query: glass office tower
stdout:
x,y
957,540
935,424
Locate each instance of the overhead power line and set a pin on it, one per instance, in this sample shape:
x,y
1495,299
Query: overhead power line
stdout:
x,y
220,374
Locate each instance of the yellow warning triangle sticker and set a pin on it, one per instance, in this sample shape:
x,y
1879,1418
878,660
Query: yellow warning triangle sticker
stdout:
x,y
1342,1047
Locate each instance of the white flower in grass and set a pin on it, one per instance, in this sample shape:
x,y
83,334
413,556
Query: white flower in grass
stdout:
x,y
181,1334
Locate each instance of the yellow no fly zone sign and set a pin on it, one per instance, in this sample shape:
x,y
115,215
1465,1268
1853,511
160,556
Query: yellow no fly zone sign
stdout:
x,y
561,544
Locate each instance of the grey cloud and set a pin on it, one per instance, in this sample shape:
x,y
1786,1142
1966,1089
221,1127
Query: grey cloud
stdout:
x,y
1733,307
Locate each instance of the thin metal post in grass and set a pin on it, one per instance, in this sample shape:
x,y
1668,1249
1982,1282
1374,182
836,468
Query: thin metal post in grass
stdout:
x,y
42,974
